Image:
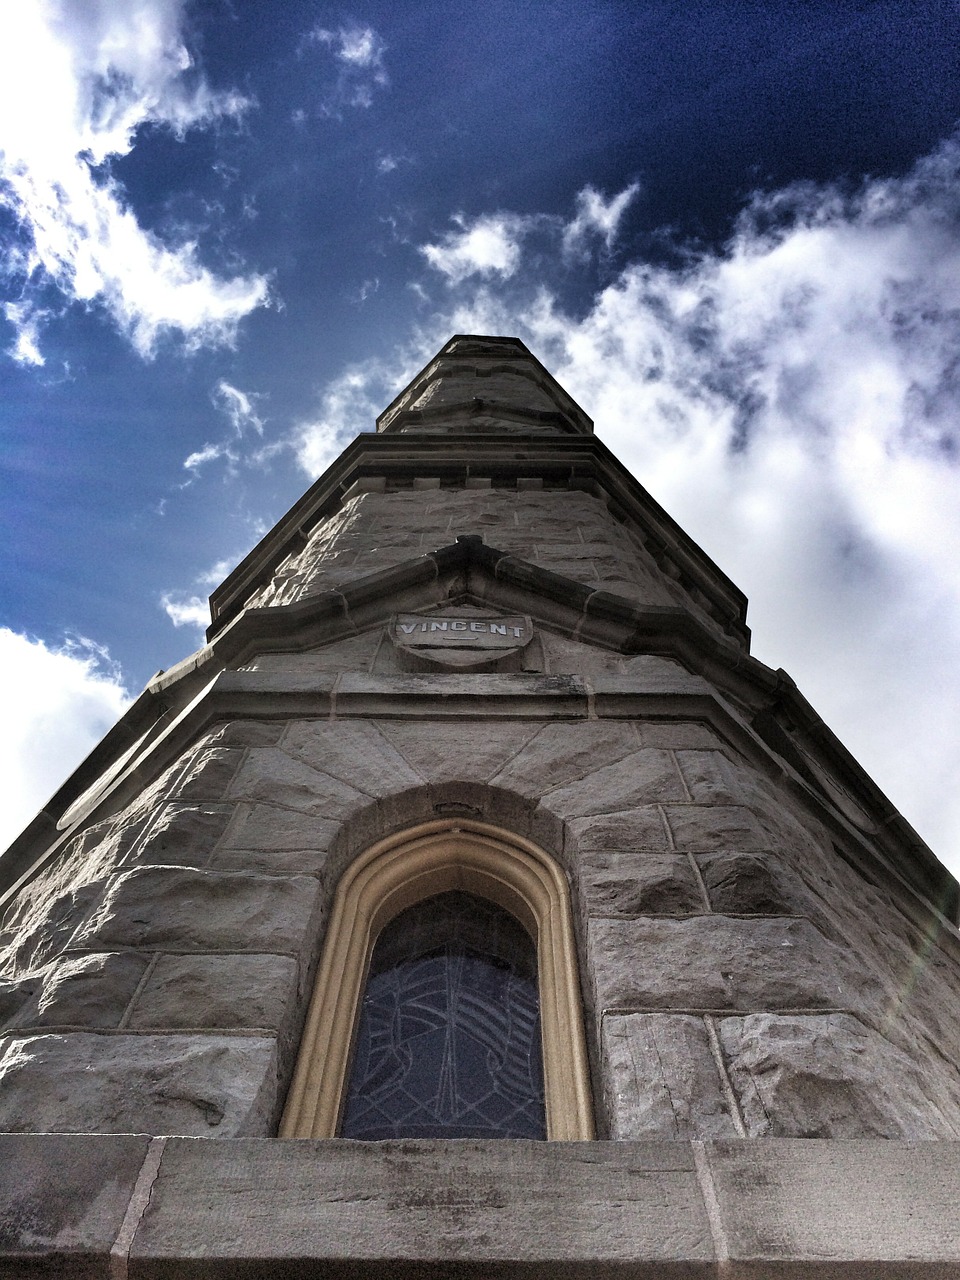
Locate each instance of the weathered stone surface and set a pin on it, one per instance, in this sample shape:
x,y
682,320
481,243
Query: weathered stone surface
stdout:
x,y
677,734
246,733
632,830
185,834
276,778
217,991
711,778
161,907
85,991
415,1209
353,751
45,915
208,774
702,828
661,1079
354,654
831,1077
558,754
746,884
15,994
645,777
263,826
715,962
208,1086
829,1210
62,1200
631,884
457,752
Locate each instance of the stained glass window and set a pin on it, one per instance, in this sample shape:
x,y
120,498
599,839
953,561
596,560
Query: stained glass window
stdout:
x,y
448,1042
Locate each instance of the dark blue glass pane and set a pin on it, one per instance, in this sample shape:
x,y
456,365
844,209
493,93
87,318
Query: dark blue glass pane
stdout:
x,y
448,1044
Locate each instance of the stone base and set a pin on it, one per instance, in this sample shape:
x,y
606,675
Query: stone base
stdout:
x,y
132,1207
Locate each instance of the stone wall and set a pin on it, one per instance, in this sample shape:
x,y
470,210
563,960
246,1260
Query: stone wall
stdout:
x,y
740,977
568,532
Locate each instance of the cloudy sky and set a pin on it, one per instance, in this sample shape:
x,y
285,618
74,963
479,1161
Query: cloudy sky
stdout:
x,y
230,230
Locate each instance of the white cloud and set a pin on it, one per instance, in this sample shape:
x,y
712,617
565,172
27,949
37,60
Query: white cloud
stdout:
x,y
240,410
239,406
359,54
349,405
488,246
597,216
57,704
794,402
185,610
77,83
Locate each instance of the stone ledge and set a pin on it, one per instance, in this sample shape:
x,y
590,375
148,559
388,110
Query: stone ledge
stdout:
x,y
88,1206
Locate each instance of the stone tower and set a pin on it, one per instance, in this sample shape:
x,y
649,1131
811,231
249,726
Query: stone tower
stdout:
x,y
478,672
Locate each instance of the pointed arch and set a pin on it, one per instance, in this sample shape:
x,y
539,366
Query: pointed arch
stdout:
x,y
398,872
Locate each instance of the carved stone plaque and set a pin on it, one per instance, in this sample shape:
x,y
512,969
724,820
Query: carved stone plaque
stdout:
x,y
434,631
461,639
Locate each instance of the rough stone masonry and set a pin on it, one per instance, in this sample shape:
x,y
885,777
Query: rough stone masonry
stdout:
x,y
764,948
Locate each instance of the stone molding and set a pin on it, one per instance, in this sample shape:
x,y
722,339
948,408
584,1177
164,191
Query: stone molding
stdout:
x,y
564,462
399,872
127,1206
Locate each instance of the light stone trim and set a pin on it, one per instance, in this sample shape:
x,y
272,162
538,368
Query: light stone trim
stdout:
x,y
400,871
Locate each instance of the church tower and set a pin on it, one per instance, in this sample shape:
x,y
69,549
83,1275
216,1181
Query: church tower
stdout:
x,y
484,903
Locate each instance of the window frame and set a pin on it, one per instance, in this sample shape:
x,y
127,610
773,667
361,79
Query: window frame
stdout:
x,y
395,874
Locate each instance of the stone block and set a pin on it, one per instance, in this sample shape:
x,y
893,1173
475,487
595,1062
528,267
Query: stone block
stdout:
x,y
62,1201
417,1209
246,733
645,777
661,1079
217,991
715,962
265,827
207,1086
704,829
838,1210
457,752
85,991
185,834
558,754
208,774
711,778
15,993
353,751
630,884
632,830
678,734
354,654
172,907
273,777
829,1076
754,884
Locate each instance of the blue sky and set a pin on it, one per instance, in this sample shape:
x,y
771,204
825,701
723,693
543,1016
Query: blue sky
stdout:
x,y
231,230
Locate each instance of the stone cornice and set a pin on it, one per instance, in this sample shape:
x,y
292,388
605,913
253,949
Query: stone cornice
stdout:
x,y
576,462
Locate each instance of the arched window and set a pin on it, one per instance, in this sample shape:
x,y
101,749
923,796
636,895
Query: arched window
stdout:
x,y
448,1040
442,943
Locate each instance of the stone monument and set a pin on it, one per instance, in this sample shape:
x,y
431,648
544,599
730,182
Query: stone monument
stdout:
x,y
474,904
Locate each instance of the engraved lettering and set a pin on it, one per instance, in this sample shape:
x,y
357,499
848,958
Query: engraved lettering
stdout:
x,y
517,631
438,626
478,626
458,626
407,627
498,629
